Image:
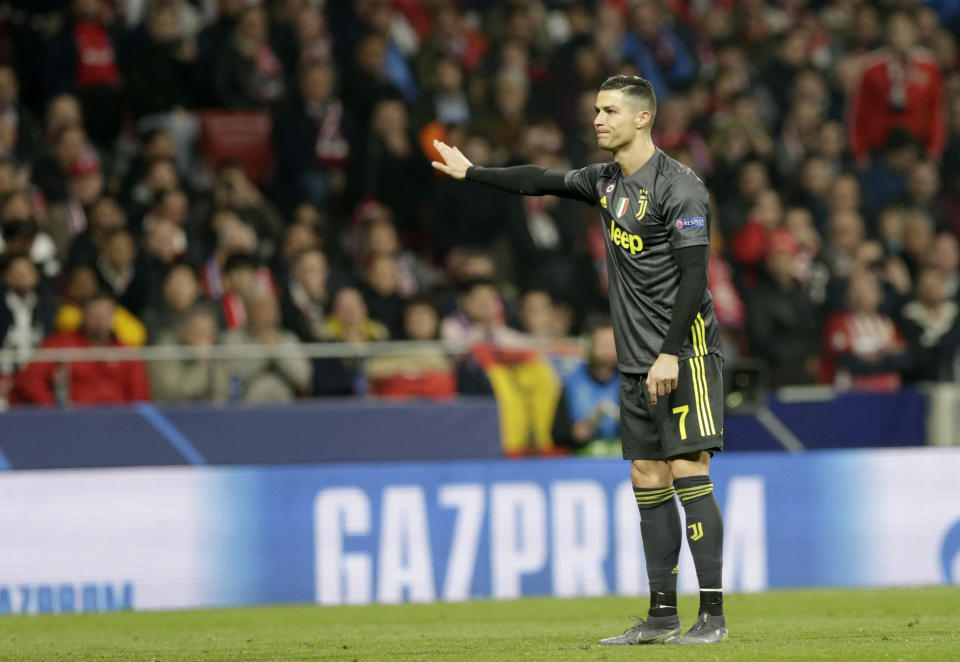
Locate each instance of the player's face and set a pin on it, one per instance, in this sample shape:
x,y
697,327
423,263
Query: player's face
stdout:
x,y
616,120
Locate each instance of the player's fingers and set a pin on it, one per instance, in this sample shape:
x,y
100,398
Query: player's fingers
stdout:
x,y
449,153
445,169
674,383
443,148
662,387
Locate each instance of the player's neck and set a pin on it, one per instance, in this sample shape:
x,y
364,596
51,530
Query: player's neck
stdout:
x,y
635,155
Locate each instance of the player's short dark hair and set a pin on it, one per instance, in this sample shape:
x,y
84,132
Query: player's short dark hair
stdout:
x,y
635,87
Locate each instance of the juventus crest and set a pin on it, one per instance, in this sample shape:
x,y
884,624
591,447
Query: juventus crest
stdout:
x,y
642,203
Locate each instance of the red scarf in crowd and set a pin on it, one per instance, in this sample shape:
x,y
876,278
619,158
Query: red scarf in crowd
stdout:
x,y
96,59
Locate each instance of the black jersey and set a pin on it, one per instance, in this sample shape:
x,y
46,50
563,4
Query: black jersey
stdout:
x,y
661,207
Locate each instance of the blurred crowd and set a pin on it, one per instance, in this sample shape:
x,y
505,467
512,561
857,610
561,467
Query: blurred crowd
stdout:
x,y
828,133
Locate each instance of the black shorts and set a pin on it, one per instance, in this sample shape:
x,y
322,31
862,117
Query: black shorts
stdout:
x,y
688,419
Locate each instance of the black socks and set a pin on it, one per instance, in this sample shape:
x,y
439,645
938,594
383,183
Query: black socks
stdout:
x,y
711,602
661,530
704,531
662,533
663,603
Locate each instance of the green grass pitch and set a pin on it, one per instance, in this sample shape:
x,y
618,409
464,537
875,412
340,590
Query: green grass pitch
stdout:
x,y
884,625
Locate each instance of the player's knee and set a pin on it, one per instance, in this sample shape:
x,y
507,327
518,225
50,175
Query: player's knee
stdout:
x,y
650,473
690,464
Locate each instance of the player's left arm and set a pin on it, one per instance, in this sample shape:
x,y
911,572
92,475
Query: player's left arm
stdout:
x,y
686,211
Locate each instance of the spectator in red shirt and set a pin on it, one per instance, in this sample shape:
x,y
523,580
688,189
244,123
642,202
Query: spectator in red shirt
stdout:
x,y
865,349
899,86
85,382
425,372
82,59
749,245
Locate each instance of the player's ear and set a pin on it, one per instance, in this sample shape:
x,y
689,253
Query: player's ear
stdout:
x,y
642,118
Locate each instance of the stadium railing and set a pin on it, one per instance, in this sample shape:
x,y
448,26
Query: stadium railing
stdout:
x,y
745,388
329,350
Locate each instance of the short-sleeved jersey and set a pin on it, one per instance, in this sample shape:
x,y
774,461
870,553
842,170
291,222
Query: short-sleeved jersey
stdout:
x,y
660,207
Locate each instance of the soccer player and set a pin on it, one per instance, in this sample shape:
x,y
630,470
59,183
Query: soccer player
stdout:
x,y
656,217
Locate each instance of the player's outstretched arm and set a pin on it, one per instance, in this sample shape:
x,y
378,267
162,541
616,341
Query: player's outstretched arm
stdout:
x,y
525,179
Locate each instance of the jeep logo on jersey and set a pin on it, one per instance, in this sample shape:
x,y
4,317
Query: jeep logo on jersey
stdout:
x,y
631,242
622,206
642,202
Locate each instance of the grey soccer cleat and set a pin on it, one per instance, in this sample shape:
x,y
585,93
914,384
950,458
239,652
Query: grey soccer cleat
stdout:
x,y
654,630
708,629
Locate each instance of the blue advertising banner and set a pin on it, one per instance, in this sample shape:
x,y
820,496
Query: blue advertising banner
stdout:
x,y
180,537
354,430
298,433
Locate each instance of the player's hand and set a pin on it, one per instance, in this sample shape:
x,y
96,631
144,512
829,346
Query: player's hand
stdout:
x,y
454,163
663,376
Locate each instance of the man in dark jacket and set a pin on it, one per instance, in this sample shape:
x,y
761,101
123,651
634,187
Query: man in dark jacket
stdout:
x,y
782,321
26,309
310,137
